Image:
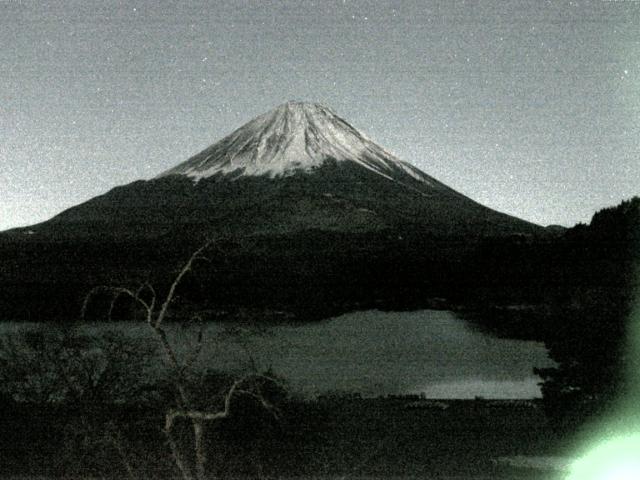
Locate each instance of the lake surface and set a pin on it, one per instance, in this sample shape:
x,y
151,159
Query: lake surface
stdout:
x,y
374,353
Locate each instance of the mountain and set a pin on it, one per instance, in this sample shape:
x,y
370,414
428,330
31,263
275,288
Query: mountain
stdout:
x,y
304,198
295,168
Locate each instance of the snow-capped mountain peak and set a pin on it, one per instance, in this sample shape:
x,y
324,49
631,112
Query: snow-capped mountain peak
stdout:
x,y
294,137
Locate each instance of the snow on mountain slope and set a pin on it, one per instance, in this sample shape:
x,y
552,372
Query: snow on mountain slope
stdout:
x,y
296,136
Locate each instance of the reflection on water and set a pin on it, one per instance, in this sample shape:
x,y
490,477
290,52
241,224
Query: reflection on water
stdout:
x,y
376,353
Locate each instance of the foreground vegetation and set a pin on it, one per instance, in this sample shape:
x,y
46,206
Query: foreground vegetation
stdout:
x,y
331,437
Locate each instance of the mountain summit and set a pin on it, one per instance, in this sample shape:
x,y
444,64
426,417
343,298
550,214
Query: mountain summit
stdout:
x,y
294,137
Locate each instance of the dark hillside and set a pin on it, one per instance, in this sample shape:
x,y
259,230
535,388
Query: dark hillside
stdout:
x,y
575,293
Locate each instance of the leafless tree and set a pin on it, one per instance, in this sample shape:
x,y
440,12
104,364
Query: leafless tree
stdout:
x,y
55,364
77,375
155,311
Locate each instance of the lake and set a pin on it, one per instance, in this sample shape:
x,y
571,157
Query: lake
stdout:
x,y
374,353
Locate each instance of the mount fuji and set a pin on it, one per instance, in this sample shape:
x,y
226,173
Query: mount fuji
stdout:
x,y
295,168
321,219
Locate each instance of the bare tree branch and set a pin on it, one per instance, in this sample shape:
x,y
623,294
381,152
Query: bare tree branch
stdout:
x,y
190,361
250,386
172,290
116,293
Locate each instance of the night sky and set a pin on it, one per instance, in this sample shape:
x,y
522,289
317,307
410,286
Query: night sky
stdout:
x,y
532,108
